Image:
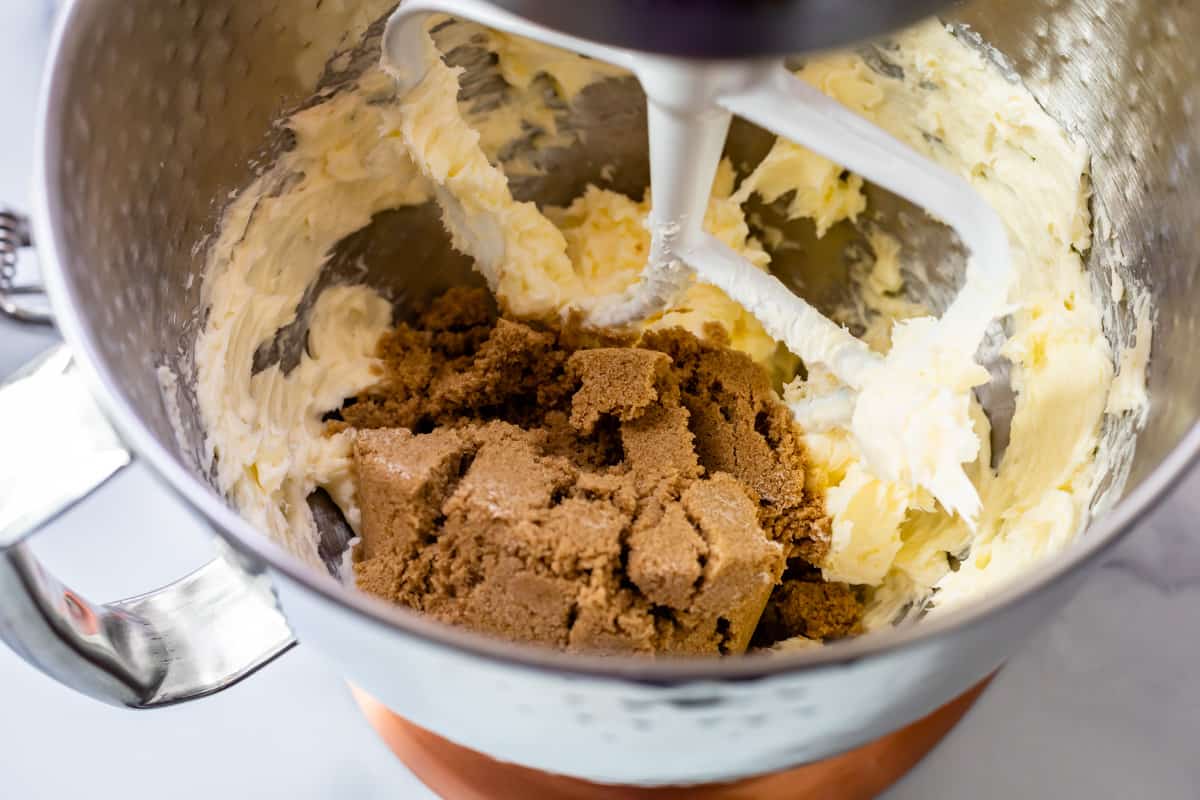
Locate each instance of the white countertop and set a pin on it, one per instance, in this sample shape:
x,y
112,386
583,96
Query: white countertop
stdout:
x,y
1101,704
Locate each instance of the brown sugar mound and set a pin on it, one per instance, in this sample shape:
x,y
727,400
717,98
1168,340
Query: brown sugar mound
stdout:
x,y
645,499
810,608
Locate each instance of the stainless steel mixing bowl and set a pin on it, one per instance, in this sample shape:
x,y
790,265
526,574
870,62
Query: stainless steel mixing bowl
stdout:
x,y
155,112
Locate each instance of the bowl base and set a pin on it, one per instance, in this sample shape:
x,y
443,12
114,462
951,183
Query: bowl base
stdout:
x,y
456,772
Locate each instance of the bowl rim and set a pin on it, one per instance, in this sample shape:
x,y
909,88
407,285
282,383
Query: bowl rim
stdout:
x,y
1100,536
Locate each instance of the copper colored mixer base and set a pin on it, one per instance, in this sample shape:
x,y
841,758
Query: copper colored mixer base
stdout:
x,y
456,772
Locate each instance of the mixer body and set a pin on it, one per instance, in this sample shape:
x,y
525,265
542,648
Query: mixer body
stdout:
x,y
725,28
154,114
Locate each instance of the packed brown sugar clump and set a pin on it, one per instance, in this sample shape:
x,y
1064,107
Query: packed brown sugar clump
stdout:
x,y
595,496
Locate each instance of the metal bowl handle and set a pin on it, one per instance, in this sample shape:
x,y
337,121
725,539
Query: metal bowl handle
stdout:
x,y
194,637
22,302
